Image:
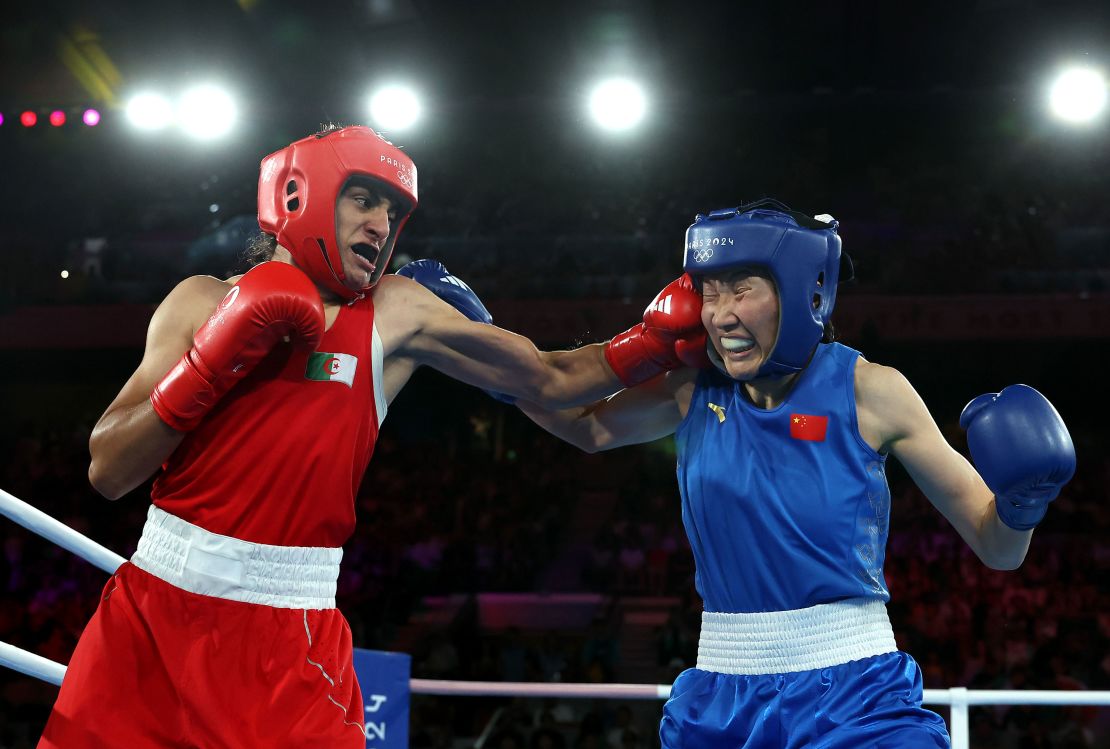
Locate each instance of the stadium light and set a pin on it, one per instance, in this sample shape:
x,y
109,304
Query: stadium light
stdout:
x,y
618,104
149,111
57,118
395,108
28,118
91,117
206,112
1,118
1078,95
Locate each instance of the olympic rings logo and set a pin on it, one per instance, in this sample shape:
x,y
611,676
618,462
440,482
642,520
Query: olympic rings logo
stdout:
x,y
405,179
700,256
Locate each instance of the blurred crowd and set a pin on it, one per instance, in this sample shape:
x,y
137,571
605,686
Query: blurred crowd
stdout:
x,y
503,507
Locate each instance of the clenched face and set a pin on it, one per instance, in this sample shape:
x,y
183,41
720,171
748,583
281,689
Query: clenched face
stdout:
x,y
740,311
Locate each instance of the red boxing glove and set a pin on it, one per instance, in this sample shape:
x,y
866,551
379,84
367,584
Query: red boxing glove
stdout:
x,y
653,346
691,350
270,301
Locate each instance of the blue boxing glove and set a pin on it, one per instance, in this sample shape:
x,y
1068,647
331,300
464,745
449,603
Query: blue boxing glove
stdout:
x,y
1022,450
434,276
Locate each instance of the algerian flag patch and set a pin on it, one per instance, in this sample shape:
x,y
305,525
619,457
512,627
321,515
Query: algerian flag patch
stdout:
x,y
325,367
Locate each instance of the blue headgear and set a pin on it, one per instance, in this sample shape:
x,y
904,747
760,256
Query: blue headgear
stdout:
x,y
803,257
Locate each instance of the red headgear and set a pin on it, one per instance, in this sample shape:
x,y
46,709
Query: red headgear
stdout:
x,y
299,185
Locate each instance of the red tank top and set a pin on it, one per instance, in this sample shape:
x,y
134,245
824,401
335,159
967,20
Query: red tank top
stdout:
x,y
280,457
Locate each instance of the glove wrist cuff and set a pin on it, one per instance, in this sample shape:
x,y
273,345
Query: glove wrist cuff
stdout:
x,y
1019,517
629,359
183,397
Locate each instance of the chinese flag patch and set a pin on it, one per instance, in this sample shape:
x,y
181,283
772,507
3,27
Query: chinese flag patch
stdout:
x,y
808,427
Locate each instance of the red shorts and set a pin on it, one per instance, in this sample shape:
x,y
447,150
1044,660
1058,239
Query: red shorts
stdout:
x,y
158,666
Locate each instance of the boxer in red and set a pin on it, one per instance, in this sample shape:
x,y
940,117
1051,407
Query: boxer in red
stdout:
x,y
260,397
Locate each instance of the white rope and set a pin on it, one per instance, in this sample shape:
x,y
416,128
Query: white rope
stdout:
x,y
540,689
47,670
1017,697
24,662
663,691
37,521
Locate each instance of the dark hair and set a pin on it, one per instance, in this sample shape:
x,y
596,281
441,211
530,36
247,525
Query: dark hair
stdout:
x,y
828,335
328,127
260,249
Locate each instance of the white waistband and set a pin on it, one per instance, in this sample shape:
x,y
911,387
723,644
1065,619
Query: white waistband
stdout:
x,y
780,642
196,560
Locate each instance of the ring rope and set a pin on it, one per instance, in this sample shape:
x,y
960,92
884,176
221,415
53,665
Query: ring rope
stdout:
x,y
37,521
49,671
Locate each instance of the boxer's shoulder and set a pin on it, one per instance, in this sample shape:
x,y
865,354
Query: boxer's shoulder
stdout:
x,y
198,289
396,311
401,303
192,301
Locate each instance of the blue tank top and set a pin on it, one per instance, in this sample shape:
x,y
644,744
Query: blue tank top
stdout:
x,y
785,508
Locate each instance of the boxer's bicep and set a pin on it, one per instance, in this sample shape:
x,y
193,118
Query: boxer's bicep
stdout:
x,y
479,354
496,359
170,334
129,441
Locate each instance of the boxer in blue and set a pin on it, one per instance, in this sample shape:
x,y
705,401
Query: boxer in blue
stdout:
x,y
782,444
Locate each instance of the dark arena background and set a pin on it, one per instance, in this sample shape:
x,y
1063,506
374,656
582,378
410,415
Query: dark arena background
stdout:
x,y
972,186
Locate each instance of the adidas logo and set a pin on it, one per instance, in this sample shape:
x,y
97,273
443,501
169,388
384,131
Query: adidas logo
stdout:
x,y
455,282
660,305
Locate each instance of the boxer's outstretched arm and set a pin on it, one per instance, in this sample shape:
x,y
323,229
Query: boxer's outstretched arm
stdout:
x,y
439,336
671,336
635,415
130,442
496,359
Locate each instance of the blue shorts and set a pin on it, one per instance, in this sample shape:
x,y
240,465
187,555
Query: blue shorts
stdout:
x,y
872,702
